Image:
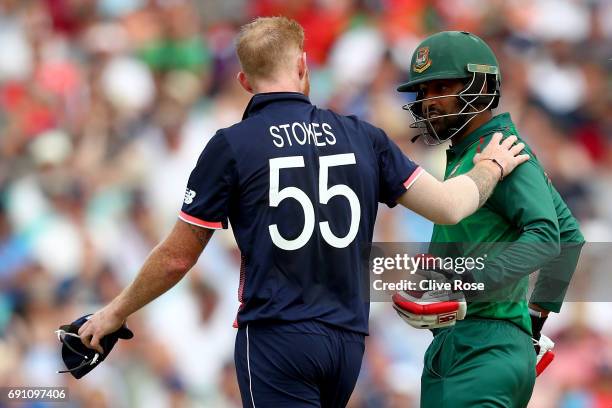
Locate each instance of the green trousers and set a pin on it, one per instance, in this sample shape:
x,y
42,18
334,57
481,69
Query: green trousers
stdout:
x,y
479,363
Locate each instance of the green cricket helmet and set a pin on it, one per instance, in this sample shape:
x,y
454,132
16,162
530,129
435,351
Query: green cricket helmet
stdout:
x,y
453,55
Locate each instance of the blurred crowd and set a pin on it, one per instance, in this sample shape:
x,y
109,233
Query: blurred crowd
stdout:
x,y
105,106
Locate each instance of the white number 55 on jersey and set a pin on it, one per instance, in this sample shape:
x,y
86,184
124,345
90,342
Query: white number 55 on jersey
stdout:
x,y
325,194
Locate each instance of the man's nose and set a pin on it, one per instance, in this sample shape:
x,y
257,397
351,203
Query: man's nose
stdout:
x,y
429,104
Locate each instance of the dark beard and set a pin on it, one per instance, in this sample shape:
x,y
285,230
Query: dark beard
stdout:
x,y
443,127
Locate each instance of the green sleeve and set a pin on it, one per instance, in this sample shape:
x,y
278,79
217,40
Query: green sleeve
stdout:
x,y
524,199
554,278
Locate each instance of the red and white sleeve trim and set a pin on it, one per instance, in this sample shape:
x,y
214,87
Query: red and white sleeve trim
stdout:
x,y
413,177
200,223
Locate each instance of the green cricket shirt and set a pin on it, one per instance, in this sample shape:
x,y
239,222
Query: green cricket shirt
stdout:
x,y
524,210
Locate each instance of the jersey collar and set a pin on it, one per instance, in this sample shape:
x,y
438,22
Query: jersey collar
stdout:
x,y
498,122
259,101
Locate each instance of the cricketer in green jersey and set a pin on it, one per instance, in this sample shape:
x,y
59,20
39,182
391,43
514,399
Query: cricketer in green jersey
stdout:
x,y
487,359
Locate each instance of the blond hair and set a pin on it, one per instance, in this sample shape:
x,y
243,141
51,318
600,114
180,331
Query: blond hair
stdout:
x,y
267,44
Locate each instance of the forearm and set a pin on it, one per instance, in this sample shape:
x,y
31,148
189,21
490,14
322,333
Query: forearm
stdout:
x,y
451,201
163,268
554,279
468,192
159,273
517,260
485,176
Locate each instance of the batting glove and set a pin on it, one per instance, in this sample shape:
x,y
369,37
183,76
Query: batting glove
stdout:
x,y
543,348
542,344
430,309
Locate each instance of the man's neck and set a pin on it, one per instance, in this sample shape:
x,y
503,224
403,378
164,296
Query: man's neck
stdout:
x,y
276,86
474,124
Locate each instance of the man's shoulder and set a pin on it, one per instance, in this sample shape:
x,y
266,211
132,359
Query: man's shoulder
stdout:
x,y
239,128
348,120
240,133
503,124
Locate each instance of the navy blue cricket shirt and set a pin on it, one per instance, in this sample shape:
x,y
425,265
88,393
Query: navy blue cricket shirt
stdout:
x,y
300,186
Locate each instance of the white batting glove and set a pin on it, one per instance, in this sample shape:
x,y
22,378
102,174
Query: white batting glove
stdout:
x,y
545,356
430,309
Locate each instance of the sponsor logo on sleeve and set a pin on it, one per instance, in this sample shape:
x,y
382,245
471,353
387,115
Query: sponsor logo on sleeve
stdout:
x,y
189,196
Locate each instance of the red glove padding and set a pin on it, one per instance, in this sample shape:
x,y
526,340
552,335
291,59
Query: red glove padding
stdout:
x,y
431,309
545,356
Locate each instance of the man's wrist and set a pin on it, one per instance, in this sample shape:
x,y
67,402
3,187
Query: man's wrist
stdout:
x,y
114,308
537,323
485,175
492,166
540,312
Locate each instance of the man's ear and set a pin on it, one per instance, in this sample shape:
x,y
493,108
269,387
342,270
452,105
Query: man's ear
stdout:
x,y
244,82
302,66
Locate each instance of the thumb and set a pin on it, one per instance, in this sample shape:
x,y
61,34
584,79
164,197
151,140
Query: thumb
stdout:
x,y
95,344
477,157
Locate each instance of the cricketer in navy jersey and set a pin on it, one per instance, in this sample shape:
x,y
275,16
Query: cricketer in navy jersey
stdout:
x,y
300,187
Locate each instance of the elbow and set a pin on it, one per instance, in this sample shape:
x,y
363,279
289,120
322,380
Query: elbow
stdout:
x,y
180,267
453,219
448,217
174,262
547,239
552,237
551,251
446,221
555,250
